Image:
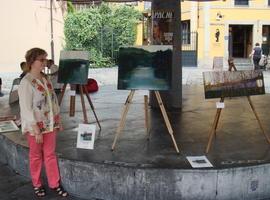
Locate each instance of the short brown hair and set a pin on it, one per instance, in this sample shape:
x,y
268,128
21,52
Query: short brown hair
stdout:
x,y
31,55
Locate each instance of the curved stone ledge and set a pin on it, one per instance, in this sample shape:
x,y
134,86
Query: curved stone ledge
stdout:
x,y
113,182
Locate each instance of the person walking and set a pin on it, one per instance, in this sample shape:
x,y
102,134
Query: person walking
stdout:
x,y
23,66
53,75
1,94
40,118
256,56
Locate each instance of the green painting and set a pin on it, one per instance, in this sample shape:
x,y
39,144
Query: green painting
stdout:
x,y
145,67
73,67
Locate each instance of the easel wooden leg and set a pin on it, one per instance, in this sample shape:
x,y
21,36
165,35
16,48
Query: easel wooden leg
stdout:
x,y
72,101
219,112
213,130
123,117
83,104
257,117
62,93
92,106
146,116
214,127
216,124
166,119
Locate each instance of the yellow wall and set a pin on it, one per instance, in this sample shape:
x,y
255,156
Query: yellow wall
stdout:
x,y
203,16
256,14
139,37
185,10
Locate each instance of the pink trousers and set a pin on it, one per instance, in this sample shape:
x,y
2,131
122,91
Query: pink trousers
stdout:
x,y
45,152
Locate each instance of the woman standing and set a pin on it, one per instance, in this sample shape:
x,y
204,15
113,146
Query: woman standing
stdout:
x,y
40,121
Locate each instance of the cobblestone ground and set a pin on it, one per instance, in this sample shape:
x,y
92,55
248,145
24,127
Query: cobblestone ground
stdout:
x,y
16,187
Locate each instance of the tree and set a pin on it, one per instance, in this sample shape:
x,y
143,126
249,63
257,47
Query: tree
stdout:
x,y
101,31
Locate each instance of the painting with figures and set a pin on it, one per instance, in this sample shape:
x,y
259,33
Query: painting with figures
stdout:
x,y
233,84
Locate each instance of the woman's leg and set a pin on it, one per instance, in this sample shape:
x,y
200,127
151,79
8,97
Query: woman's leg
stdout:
x,y
35,160
50,159
256,63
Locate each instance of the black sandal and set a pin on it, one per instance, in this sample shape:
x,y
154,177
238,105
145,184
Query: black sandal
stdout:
x,y
60,191
39,191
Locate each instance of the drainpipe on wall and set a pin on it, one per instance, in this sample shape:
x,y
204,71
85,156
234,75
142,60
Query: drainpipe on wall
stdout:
x,y
51,19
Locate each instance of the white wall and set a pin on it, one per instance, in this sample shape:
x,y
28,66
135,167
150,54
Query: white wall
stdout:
x,y
26,24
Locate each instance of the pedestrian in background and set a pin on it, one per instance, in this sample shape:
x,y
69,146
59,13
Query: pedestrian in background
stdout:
x,y
23,68
1,94
256,56
40,122
53,74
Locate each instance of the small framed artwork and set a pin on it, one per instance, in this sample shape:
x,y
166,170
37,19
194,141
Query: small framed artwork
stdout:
x,y
86,136
199,161
7,126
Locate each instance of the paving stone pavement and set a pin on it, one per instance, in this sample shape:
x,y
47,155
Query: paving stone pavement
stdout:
x,y
16,187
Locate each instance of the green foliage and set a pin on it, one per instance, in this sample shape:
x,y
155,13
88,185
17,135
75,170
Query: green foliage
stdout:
x,y
70,7
101,31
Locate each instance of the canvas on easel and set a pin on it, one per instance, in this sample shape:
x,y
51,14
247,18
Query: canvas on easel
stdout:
x,y
73,70
73,67
221,84
145,68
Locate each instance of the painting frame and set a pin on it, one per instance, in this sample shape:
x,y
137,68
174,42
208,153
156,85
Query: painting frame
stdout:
x,y
145,67
73,67
219,84
8,126
86,136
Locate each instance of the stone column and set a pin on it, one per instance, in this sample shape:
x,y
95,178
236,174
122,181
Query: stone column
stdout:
x,y
173,98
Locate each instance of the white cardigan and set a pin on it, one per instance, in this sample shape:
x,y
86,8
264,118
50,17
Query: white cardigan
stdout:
x,y
38,105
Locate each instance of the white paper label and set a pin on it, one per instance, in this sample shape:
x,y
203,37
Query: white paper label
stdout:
x,y
220,104
72,93
199,161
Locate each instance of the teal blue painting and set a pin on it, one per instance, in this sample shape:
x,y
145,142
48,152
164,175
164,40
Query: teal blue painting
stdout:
x,y
145,67
73,67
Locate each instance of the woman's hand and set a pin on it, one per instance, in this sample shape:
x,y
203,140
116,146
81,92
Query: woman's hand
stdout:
x,y
39,138
37,133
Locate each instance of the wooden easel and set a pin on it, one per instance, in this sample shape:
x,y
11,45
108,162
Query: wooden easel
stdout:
x,y
72,101
125,111
218,112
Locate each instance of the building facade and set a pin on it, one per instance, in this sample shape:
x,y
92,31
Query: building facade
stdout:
x,y
26,24
228,28
225,28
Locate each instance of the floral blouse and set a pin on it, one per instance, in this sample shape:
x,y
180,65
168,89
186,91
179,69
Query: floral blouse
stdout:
x,y
38,105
